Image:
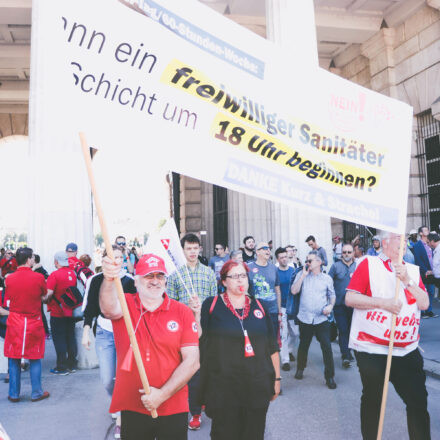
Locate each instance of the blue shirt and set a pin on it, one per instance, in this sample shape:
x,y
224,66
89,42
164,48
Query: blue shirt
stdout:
x,y
371,251
316,293
216,263
285,276
263,280
341,275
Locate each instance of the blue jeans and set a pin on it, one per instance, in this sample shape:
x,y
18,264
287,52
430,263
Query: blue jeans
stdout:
x,y
63,336
343,316
15,378
106,352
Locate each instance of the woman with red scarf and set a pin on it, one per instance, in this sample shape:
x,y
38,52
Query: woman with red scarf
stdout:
x,y
240,365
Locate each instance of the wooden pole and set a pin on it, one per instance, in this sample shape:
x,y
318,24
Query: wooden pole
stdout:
x,y
390,349
108,247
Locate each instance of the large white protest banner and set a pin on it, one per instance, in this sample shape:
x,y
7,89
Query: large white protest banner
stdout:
x,y
188,88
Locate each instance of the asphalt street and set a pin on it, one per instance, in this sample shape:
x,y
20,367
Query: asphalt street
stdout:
x,y
307,409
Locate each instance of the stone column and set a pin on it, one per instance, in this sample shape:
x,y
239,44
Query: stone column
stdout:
x,y
294,29
379,49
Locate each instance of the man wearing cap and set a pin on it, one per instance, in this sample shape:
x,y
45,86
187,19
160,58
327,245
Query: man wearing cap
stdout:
x,y
167,335
72,251
375,250
337,248
25,337
62,323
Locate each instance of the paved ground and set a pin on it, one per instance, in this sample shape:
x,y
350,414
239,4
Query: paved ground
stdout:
x,y
77,408
430,342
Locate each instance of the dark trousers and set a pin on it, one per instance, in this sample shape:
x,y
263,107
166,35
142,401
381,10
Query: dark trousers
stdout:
x,y
275,324
322,333
238,423
408,378
43,317
137,426
343,316
63,336
193,394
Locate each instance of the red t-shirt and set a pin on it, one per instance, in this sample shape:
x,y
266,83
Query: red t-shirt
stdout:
x,y
24,289
74,262
59,281
8,266
360,281
172,326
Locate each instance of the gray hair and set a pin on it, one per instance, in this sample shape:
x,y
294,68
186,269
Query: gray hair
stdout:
x,y
234,254
316,254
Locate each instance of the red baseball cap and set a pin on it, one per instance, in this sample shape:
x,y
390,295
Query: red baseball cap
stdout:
x,y
150,263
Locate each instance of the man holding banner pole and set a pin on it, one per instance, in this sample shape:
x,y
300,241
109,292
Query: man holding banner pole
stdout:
x,y
167,335
192,280
371,294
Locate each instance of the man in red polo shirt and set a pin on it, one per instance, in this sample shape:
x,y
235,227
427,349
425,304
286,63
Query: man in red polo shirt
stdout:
x,y
8,263
62,323
371,293
25,336
168,341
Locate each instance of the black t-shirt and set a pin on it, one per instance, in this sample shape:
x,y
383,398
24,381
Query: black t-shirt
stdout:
x,y
247,258
92,309
228,377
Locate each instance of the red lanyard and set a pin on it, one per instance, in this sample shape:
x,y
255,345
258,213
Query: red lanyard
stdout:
x,y
248,350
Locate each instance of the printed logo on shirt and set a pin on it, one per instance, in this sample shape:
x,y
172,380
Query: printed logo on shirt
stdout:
x,y
172,326
70,278
258,314
194,326
255,270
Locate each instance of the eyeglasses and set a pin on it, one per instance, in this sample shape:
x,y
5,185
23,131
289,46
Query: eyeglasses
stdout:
x,y
121,243
347,252
265,248
294,250
309,261
158,276
242,276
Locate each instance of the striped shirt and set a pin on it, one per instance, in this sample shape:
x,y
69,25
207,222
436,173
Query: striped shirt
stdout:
x,y
203,280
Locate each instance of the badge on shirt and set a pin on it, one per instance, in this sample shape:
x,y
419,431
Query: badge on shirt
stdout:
x,y
194,326
255,270
258,314
172,326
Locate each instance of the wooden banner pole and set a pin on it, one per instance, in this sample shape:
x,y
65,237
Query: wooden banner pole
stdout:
x,y
108,247
390,349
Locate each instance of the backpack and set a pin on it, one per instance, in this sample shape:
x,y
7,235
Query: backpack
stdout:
x,y
83,273
71,302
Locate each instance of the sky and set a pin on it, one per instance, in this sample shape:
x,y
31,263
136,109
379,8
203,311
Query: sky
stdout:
x,y
130,209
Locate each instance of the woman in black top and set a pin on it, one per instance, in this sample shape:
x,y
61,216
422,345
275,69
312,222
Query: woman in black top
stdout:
x,y
240,361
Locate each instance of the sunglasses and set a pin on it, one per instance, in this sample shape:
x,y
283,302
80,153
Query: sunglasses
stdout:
x,y
347,252
309,261
218,248
121,243
265,248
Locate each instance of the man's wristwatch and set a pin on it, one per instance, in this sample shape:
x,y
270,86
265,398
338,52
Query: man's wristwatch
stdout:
x,y
410,284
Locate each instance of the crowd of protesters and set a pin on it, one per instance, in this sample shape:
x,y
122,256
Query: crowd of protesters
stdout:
x,y
250,308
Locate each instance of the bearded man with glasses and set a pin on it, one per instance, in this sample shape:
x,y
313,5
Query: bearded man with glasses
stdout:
x,y
341,273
